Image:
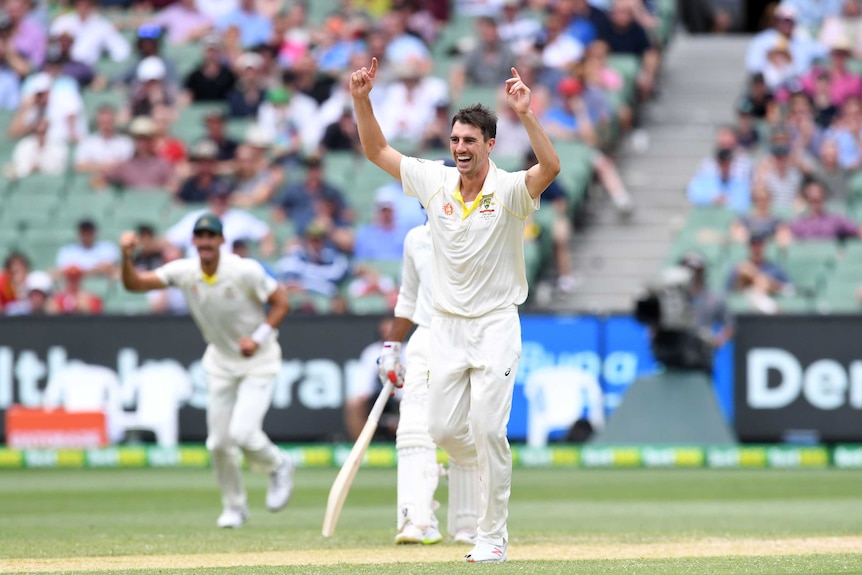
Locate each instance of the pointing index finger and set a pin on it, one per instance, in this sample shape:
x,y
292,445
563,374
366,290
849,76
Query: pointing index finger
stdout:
x,y
374,67
515,73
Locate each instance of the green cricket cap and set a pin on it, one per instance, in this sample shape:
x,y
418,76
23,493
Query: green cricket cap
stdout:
x,y
208,223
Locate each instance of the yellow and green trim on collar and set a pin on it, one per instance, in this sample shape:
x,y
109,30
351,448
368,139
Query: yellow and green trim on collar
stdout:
x,y
465,210
209,279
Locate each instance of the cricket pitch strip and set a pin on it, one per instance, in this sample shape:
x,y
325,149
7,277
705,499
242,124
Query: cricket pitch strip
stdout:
x,y
710,547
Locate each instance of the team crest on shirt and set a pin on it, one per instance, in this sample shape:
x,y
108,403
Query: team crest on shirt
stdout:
x,y
488,208
448,209
229,292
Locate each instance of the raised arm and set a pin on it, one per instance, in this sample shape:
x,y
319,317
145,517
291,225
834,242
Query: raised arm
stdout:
x,y
370,135
543,173
133,280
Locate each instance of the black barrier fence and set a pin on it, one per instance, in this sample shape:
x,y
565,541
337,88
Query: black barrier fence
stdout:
x,y
798,378
321,355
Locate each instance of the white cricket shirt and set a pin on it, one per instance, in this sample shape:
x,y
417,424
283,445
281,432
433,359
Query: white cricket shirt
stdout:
x,y
478,249
226,306
414,296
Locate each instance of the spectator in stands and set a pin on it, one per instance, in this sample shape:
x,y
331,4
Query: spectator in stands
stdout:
x,y
183,22
778,171
150,254
166,145
845,132
11,66
213,79
73,299
145,169
842,83
811,13
571,121
57,101
238,225
746,132
760,221
168,301
29,38
278,114
342,135
625,35
316,200
518,30
89,256
402,45
93,34
247,94
242,249
817,223
13,278
410,101
149,47
313,265
150,88
37,289
253,184
484,65
828,171
717,185
759,278
60,53
383,238
804,49
559,50
104,148
204,182
760,97
36,154
254,28
214,122
438,129
217,9
782,77
598,75
847,25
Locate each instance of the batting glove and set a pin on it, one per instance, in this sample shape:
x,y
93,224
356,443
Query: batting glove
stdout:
x,y
389,368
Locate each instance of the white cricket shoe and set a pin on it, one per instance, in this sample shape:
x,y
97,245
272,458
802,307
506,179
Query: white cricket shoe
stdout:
x,y
485,552
465,537
232,517
280,485
411,534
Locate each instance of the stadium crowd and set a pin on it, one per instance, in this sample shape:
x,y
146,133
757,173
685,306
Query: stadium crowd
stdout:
x,y
779,203
168,108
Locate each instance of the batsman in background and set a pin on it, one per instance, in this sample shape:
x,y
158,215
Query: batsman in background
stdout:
x,y
417,454
476,213
226,295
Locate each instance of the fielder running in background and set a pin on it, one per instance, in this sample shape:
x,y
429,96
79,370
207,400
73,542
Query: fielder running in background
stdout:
x,y
418,472
476,214
226,295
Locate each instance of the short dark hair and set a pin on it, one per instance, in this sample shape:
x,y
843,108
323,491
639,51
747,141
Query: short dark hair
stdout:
x,y
87,226
15,255
146,230
479,116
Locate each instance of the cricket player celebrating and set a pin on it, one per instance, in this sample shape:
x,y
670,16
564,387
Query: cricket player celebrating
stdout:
x,y
226,295
476,214
417,455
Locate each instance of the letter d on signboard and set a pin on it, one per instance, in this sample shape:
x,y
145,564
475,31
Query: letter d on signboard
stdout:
x,y
758,392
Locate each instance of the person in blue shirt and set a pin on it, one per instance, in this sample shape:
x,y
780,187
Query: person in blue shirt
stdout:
x,y
383,239
758,277
717,184
254,28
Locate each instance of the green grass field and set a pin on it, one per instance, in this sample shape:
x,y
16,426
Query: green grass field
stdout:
x,y
561,521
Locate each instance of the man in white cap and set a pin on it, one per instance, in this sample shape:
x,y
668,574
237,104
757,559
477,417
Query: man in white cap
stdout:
x,y
227,296
56,100
804,49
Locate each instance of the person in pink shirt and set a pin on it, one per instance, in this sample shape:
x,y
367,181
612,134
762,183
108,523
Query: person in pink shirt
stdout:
x,y
843,84
183,22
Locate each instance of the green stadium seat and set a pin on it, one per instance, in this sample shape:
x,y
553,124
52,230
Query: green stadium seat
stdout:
x,y
368,305
840,296
76,208
25,210
122,302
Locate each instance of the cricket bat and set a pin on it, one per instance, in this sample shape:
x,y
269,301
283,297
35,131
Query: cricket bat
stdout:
x,y
344,479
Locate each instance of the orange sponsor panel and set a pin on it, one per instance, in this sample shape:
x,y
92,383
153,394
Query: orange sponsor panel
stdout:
x,y
37,428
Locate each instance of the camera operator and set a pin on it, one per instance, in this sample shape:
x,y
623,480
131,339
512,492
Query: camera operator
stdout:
x,y
682,313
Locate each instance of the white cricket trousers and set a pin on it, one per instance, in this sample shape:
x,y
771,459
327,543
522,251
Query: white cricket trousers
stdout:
x,y
236,405
418,473
474,362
